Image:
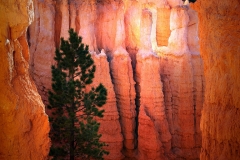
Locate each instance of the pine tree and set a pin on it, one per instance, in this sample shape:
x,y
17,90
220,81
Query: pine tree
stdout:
x,y
74,130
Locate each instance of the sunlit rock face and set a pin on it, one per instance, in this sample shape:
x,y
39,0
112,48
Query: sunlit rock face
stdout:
x,y
23,122
153,125
183,83
42,46
110,127
150,64
219,43
122,77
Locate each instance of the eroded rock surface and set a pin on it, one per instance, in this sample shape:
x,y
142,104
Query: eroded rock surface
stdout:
x,y
155,77
110,127
122,77
42,46
220,122
182,76
23,122
153,125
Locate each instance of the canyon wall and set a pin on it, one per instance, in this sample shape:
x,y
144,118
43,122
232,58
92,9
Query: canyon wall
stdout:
x,y
149,62
219,32
110,127
23,122
183,82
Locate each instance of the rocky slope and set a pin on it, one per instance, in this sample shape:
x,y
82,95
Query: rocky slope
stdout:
x,y
23,122
155,76
220,33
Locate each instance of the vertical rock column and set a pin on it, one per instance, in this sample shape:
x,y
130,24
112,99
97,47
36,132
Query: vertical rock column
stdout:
x,y
111,36
73,15
61,20
198,97
122,77
198,77
132,28
154,139
110,127
64,8
42,46
86,18
23,122
177,76
181,81
109,14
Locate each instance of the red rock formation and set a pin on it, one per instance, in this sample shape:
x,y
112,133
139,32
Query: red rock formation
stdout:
x,y
112,39
177,42
42,46
25,137
219,43
122,77
182,91
110,127
163,26
154,139
61,20
176,83
110,31
181,71
24,124
132,20
174,3
86,18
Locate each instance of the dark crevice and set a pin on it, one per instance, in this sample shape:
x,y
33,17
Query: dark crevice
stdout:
x,y
132,55
28,37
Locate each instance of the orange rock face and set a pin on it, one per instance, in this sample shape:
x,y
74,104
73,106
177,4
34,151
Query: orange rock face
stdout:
x,y
110,31
24,124
154,138
110,127
42,47
219,43
183,83
122,77
158,50
163,26
155,75
183,89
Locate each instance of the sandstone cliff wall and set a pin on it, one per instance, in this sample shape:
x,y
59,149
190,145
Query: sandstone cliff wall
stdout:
x,y
23,122
155,77
219,42
153,125
25,137
183,82
110,127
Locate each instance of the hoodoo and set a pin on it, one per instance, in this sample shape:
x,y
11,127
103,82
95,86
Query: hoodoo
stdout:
x,y
155,70
171,69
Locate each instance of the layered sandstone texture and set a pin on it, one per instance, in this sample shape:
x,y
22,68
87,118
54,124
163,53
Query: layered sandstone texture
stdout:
x,y
183,82
23,122
147,55
110,127
220,34
153,125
